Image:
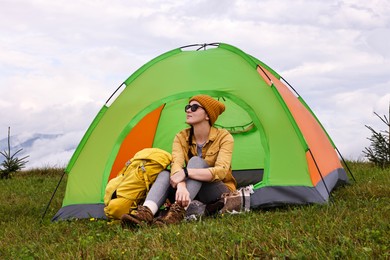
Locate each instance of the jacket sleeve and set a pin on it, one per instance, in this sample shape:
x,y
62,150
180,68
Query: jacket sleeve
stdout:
x,y
178,155
223,161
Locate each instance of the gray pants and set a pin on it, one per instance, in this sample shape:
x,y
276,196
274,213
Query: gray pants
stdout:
x,y
206,192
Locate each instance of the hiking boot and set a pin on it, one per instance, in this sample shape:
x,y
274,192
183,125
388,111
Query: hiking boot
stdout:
x,y
233,202
237,201
195,210
214,208
141,216
175,215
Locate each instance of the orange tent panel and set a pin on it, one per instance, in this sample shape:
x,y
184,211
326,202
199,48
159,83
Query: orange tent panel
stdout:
x,y
323,152
141,136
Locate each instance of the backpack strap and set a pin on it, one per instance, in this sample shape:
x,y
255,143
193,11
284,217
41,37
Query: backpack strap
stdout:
x,y
146,177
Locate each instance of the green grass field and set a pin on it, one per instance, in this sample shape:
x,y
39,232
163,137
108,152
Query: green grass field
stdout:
x,y
355,226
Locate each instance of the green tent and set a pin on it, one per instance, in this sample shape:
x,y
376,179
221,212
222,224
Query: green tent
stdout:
x,y
280,147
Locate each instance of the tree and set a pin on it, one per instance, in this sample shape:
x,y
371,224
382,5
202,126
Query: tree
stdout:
x,y
11,164
379,150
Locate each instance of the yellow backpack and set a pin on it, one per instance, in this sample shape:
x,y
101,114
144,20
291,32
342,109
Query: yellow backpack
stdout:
x,y
127,190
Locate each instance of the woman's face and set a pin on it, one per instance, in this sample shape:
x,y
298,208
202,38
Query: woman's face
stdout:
x,y
198,116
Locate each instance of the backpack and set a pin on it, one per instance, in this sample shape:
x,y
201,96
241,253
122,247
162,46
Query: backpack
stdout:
x,y
124,192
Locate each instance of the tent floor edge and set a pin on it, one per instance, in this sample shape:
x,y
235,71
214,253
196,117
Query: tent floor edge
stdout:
x,y
333,180
80,211
275,196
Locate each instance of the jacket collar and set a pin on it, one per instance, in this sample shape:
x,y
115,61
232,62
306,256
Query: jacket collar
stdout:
x,y
212,135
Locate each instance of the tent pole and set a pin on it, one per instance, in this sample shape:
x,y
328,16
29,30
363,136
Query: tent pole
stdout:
x,y
52,196
270,80
296,92
322,178
345,163
342,158
203,45
114,92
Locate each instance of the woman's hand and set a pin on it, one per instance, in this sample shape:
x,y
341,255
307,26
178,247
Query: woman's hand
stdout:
x,y
177,178
182,195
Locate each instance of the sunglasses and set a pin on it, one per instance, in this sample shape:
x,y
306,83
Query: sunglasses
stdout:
x,y
193,107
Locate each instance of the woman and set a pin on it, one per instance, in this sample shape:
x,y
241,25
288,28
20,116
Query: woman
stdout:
x,y
201,166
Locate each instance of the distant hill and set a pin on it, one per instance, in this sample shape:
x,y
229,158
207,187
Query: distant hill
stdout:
x,y
24,142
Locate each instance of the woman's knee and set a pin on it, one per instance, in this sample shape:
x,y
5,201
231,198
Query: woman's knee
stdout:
x,y
163,176
196,163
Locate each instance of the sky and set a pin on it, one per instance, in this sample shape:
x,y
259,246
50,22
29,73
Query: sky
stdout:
x,y
61,60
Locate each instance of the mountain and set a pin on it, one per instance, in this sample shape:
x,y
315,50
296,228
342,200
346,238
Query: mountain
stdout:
x,y
26,143
18,142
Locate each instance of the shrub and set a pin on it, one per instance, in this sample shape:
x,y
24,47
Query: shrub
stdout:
x,y
11,163
379,150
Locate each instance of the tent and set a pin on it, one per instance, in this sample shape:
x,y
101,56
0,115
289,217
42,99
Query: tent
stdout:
x,y
280,146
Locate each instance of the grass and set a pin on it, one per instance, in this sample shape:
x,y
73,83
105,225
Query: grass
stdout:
x,y
355,226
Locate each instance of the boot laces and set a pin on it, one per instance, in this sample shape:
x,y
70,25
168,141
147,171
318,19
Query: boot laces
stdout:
x,y
176,208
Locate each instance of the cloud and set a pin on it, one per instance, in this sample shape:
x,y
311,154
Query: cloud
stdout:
x,y
61,60
347,127
61,149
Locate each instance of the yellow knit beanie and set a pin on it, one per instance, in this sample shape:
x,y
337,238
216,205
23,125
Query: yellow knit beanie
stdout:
x,y
213,107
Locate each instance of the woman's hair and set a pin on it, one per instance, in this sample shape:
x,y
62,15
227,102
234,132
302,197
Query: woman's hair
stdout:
x,y
189,153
